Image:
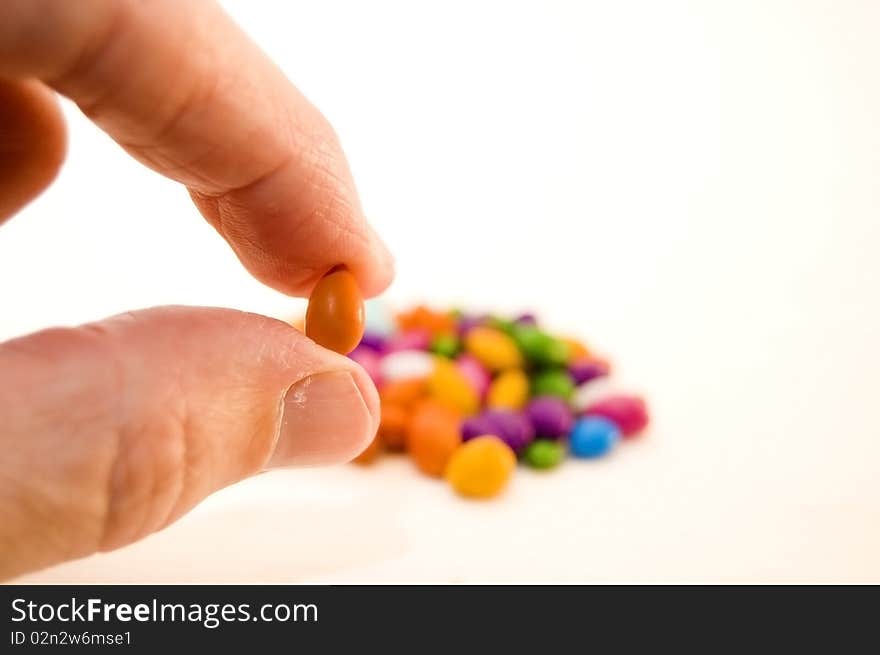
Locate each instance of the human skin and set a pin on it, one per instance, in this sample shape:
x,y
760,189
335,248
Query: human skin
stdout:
x,y
114,429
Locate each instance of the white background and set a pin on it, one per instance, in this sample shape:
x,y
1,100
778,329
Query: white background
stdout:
x,y
694,187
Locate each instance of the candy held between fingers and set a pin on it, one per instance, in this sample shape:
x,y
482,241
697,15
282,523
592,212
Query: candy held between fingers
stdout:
x,y
335,313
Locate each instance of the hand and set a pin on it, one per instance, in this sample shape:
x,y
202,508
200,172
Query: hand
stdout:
x,y
112,430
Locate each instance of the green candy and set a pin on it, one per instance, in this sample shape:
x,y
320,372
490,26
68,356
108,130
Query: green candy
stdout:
x,y
543,454
553,382
539,347
504,325
445,345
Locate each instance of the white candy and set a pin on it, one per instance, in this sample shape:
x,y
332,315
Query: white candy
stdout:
x,y
589,392
406,365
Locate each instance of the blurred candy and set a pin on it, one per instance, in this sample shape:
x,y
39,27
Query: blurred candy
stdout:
x,y
409,340
550,417
481,468
432,435
465,394
371,452
544,454
392,425
539,347
405,365
553,382
509,390
585,369
468,321
475,372
513,428
369,360
495,350
628,412
590,392
428,320
593,436
446,345
373,341
450,387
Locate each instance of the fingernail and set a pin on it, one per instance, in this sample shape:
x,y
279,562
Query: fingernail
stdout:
x,y
325,421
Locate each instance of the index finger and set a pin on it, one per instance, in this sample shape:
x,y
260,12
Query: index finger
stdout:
x,y
183,90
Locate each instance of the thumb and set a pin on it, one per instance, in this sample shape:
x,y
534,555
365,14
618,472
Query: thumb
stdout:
x,y
115,429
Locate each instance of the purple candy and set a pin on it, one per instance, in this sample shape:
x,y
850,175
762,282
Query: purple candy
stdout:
x,y
526,319
476,426
409,340
466,322
373,341
550,417
511,427
369,361
584,370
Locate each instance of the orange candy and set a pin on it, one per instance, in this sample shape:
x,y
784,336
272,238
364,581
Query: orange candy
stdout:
x,y
423,318
392,425
335,315
371,452
403,392
432,435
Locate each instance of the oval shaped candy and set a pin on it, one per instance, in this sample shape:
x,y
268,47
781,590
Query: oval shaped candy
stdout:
x,y
450,387
553,382
432,435
446,345
475,372
335,314
629,413
369,361
539,347
586,369
392,425
550,417
510,390
544,454
512,427
481,468
593,436
406,365
494,349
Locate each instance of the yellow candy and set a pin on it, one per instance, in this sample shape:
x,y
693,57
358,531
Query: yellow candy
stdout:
x,y
510,390
450,388
495,350
481,467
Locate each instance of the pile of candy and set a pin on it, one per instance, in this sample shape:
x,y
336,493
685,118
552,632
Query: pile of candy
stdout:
x,y
467,396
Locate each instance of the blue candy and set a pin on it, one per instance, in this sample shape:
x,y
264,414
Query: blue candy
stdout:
x,y
593,436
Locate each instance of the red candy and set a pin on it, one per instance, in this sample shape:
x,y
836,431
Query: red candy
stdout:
x,y
629,413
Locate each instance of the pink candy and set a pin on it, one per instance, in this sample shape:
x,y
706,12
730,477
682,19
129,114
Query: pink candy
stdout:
x,y
369,360
476,373
629,413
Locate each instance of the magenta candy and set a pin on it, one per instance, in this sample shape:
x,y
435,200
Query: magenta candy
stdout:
x,y
476,373
373,341
468,321
369,361
629,413
409,340
526,319
550,417
476,426
584,370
